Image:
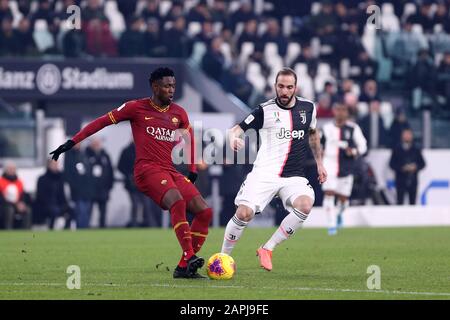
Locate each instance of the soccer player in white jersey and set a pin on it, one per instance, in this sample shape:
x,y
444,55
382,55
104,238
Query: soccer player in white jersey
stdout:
x,y
287,128
342,142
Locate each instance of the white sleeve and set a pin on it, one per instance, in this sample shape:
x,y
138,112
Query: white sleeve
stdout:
x,y
313,124
360,141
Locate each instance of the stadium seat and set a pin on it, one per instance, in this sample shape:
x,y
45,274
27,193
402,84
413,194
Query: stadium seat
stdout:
x,y
387,113
198,51
287,26
389,21
41,35
315,8
271,52
226,51
323,75
247,49
408,9
239,28
305,82
417,28
217,27
116,20
234,6
255,77
164,7
368,39
189,4
363,109
344,68
293,50
194,28
17,15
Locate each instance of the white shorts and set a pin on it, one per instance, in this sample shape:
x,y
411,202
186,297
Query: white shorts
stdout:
x,y
340,185
257,191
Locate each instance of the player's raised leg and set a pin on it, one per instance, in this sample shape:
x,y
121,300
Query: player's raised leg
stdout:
x,y
294,220
236,226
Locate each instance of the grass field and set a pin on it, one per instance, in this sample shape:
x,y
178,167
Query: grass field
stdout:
x,y
138,264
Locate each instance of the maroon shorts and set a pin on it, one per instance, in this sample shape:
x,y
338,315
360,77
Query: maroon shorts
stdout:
x,y
155,181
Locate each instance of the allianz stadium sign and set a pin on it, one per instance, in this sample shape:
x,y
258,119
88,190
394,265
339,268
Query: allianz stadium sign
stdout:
x,y
90,79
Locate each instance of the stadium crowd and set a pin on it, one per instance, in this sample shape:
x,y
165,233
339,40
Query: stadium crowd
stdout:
x,y
242,44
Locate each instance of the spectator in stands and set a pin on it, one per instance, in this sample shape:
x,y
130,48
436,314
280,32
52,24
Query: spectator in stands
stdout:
x,y
5,11
324,109
371,124
399,124
26,45
406,161
235,81
8,40
273,34
153,42
349,43
50,202
102,177
249,34
74,44
127,8
306,56
199,13
443,79
213,60
346,86
423,74
351,101
370,91
330,90
151,214
364,67
99,40
243,14
94,11
78,173
207,33
219,12
423,17
177,41
151,11
131,43
175,11
403,47
13,206
441,16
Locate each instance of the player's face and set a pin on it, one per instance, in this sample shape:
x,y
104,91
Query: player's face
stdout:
x,y
340,113
165,89
285,88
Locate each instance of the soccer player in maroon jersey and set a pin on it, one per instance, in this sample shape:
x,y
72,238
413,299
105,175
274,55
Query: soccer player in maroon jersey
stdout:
x,y
154,122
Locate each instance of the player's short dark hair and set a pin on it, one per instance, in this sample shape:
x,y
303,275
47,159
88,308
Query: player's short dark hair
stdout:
x,y
160,73
286,72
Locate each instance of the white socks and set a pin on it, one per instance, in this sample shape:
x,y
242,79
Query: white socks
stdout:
x,y
290,223
233,232
342,206
330,210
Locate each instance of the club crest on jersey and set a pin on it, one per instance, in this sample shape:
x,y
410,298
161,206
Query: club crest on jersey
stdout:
x,y
175,120
277,116
303,116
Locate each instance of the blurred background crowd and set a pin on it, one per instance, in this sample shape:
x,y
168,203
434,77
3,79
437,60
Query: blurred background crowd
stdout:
x,y
388,73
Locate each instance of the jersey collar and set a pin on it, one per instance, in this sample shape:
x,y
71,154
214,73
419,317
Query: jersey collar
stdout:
x,y
283,107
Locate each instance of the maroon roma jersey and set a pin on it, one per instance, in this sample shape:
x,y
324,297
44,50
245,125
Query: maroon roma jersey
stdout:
x,y
154,130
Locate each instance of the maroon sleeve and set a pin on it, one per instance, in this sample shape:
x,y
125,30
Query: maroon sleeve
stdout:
x,y
122,113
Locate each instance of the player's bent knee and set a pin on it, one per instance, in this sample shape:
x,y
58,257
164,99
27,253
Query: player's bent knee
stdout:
x,y
244,213
303,204
170,197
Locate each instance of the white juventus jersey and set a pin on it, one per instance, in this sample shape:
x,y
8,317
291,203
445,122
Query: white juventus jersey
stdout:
x,y
335,141
284,137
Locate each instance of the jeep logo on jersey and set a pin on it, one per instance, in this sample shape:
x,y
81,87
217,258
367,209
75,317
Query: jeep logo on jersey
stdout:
x,y
303,116
288,134
162,134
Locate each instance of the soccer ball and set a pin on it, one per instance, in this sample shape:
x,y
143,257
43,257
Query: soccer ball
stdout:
x,y
221,266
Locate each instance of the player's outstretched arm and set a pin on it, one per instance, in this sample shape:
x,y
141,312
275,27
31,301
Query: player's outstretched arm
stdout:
x,y
314,142
87,131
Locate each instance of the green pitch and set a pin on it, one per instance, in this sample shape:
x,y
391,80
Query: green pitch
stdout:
x,y
138,264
